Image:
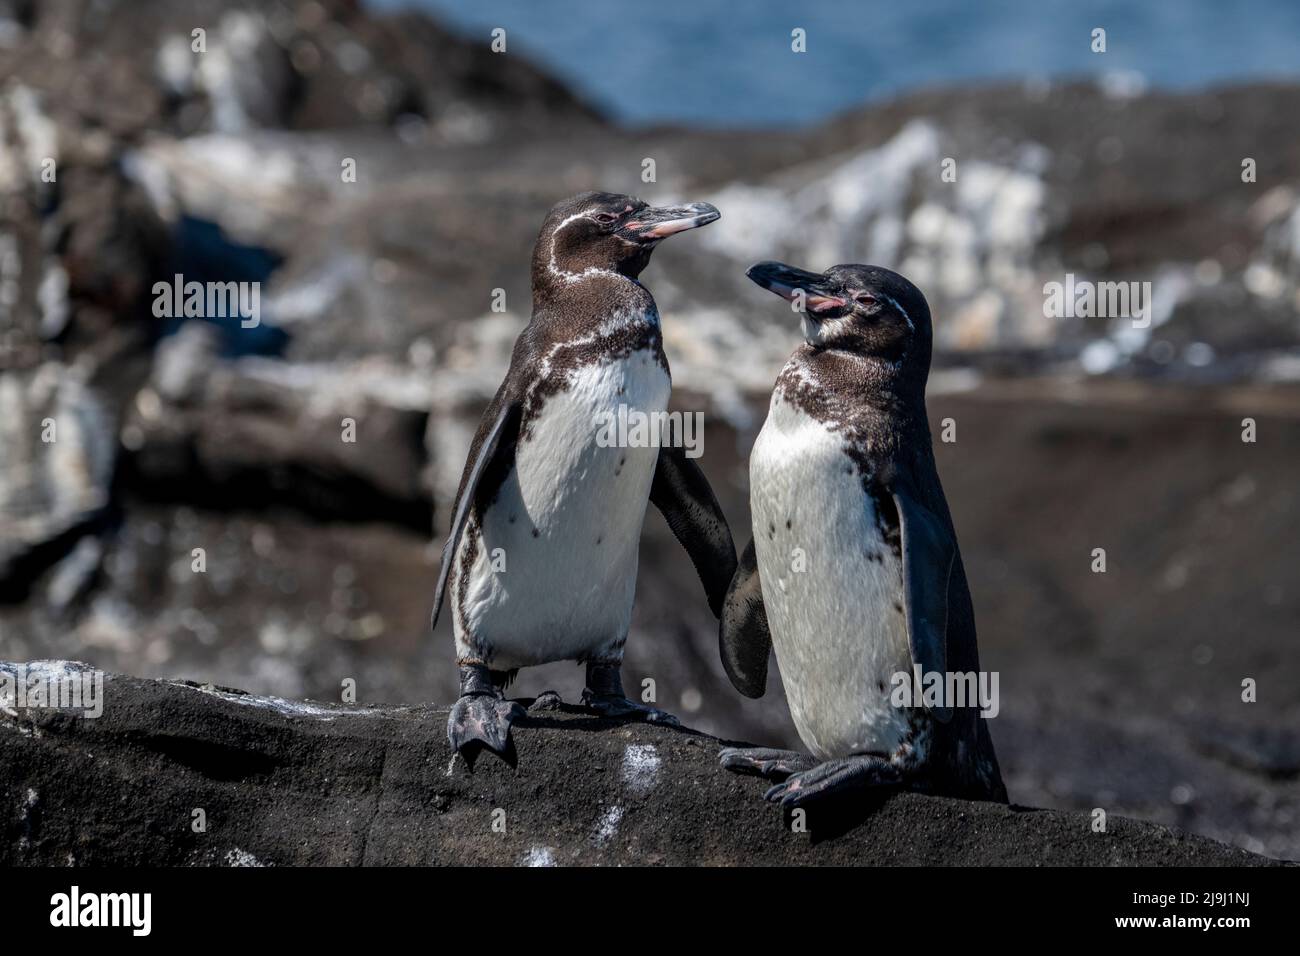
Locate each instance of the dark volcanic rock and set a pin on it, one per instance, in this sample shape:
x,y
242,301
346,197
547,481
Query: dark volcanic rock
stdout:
x,y
286,782
137,65
253,432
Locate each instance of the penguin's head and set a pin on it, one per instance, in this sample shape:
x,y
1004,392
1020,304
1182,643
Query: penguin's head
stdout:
x,y
608,232
863,309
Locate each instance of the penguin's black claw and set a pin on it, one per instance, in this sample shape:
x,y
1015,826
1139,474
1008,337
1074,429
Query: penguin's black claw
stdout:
x,y
765,762
482,721
609,705
832,779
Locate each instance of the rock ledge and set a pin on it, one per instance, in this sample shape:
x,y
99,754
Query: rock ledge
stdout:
x,y
296,782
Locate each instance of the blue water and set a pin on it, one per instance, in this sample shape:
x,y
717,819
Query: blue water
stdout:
x,y
729,63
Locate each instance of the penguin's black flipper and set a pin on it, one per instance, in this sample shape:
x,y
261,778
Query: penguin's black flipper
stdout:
x,y
682,493
743,638
486,446
928,553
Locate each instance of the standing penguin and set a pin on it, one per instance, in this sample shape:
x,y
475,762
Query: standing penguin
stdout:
x,y
542,553
853,571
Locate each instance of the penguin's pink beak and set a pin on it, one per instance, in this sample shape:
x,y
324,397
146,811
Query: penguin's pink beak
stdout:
x,y
787,282
654,223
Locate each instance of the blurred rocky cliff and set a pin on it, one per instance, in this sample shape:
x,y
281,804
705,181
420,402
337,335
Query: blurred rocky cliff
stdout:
x,y
127,156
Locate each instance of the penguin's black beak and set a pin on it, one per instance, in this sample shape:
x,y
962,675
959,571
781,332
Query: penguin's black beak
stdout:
x,y
659,222
787,282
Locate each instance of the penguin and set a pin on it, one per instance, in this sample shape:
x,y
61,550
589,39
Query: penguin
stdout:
x,y
853,572
540,563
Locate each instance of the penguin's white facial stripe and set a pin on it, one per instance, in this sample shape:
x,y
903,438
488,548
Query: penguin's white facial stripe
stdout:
x,y
901,311
882,297
591,271
564,274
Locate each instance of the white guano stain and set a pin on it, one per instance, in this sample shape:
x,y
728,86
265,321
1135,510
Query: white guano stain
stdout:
x,y
539,856
641,764
607,828
238,857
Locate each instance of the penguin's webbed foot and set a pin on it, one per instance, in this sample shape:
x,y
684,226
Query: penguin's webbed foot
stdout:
x,y
481,718
604,695
834,778
481,721
608,705
765,762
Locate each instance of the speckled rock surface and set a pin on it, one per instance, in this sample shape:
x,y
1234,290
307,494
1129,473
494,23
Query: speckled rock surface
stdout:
x,y
287,782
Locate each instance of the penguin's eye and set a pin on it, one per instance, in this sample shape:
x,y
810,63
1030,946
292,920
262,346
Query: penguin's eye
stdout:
x,y
605,218
864,298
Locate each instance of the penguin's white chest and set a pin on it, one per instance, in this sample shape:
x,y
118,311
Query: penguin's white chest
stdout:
x,y
832,586
555,571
